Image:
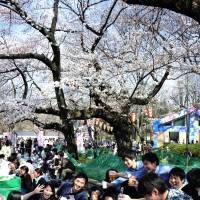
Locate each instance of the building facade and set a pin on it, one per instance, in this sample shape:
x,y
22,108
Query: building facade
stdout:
x,y
174,127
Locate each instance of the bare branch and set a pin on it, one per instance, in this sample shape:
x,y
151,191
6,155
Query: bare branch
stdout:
x,y
139,101
24,80
40,57
15,7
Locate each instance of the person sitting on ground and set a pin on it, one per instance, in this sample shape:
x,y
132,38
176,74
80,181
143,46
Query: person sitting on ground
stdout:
x,y
137,169
151,164
16,195
193,186
12,169
66,166
134,168
48,192
129,179
28,164
14,158
6,149
26,180
74,190
38,178
177,178
153,187
110,176
95,193
4,166
109,196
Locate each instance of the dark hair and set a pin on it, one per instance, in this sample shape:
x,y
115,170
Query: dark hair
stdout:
x,y
51,185
7,143
177,171
151,157
107,174
131,154
95,189
12,157
151,181
25,168
39,171
193,177
30,161
56,161
14,195
55,151
109,194
61,153
81,175
2,156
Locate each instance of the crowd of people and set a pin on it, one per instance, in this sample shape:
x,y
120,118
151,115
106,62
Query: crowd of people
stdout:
x,y
46,173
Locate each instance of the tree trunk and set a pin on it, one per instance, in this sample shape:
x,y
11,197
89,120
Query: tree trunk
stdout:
x,y
124,133
70,138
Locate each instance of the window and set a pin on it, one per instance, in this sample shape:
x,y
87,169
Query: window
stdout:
x,y
179,122
168,124
174,136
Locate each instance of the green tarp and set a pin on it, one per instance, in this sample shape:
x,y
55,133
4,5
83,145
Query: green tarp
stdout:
x,y
96,168
8,184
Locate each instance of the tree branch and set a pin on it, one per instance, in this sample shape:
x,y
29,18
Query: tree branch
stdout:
x,y
55,16
98,101
15,7
190,8
50,111
140,101
24,80
40,57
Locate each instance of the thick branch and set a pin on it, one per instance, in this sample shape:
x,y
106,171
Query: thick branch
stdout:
x,y
108,116
50,111
51,125
55,16
40,57
190,8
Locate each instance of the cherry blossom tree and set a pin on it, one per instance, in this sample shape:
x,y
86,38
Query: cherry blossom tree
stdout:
x,y
84,59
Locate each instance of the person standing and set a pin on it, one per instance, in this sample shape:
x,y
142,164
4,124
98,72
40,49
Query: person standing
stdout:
x,y
40,140
22,146
29,146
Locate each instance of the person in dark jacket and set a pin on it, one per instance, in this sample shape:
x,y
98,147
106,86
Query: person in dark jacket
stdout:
x,y
193,186
26,180
74,190
28,146
38,178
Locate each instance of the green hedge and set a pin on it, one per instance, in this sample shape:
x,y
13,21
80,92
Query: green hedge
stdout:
x,y
181,149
